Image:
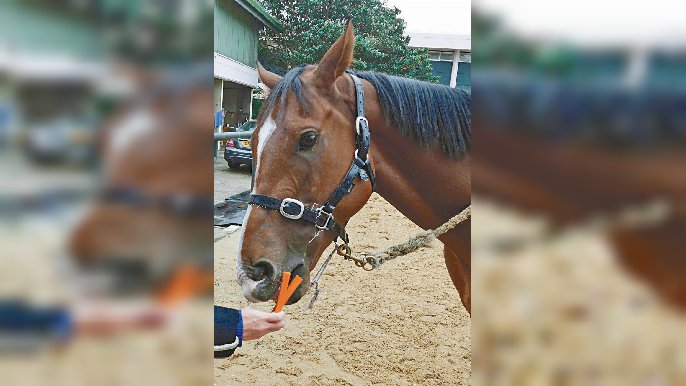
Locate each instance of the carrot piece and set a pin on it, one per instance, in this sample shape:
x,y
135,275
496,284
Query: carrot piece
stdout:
x,y
185,282
293,286
286,291
281,299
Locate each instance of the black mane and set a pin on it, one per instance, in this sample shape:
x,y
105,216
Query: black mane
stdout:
x,y
431,115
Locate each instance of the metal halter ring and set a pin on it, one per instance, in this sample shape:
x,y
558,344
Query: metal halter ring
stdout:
x,y
329,217
288,215
358,122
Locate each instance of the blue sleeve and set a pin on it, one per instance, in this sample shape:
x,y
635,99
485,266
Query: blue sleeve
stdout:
x,y
49,322
228,326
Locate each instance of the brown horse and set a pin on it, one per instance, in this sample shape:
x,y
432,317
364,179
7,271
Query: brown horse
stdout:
x,y
153,213
305,141
570,182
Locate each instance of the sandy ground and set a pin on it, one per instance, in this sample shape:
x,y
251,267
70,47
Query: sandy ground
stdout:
x,y
565,313
228,182
30,255
403,324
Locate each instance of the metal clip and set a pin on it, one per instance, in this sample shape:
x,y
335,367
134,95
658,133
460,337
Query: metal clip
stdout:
x,y
365,262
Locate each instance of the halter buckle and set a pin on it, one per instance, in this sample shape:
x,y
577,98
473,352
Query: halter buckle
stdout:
x,y
287,201
329,217
358,123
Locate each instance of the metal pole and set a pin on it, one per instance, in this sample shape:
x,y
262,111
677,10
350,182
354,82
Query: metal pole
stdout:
x,y
232,134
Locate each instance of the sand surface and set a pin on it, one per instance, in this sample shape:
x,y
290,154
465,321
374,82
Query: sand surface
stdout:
x,y
179,354
402,324
564,312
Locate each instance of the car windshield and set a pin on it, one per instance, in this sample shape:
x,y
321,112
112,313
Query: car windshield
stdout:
x,y
247,126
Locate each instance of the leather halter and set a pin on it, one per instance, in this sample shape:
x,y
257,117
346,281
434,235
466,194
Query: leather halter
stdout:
x,y
322,217
177,203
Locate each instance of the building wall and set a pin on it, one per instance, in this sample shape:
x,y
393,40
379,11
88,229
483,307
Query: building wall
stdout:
x,y
235,32
452,67
464,75
442,70
218,94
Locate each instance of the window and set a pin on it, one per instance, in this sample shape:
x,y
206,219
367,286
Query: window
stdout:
x,y
465,57
441,56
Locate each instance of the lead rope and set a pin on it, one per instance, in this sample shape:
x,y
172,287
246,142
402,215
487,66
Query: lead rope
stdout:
x,y
314,282
422,239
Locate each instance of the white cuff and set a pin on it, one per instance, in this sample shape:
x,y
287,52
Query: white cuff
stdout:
x,y
228,346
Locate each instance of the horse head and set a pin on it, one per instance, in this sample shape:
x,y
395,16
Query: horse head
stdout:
x,y
303,144
155,192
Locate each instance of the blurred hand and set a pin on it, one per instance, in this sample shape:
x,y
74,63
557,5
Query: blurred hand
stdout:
x,y
111,318
257,324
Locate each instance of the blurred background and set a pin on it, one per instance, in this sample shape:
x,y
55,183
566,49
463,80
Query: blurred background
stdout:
x,y
579,186
105,192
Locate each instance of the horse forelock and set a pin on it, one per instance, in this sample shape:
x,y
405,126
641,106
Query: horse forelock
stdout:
x,y
291,84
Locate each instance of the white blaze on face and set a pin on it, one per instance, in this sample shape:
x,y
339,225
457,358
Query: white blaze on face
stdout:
x,y
248,285
131,129
242,278
265,133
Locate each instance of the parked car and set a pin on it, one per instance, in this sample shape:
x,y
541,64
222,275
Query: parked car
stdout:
x,y
66,139
237,151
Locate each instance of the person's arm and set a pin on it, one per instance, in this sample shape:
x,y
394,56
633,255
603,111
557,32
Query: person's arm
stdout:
x,y
232,327
28,327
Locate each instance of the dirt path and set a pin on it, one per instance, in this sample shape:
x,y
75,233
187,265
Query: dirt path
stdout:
x,y
402,324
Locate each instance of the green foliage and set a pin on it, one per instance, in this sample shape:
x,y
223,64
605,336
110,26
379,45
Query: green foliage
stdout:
x,y
312,26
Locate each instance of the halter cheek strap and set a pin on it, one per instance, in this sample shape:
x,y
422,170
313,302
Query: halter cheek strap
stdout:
x,y
361,167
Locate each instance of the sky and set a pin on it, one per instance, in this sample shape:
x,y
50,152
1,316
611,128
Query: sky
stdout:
x,y
436,16
586,22
595,22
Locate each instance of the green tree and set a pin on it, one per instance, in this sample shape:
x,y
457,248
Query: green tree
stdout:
x,y
311,26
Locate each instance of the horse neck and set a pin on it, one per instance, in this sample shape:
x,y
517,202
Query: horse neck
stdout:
x,y
424,185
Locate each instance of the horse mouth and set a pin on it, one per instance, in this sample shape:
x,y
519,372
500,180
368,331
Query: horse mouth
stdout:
x,y
268,287
110,276
301,271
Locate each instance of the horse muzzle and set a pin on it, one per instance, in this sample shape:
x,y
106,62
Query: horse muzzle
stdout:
x,y
262,280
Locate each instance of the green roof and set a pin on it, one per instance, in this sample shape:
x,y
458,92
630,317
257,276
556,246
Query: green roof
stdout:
x,y
255,9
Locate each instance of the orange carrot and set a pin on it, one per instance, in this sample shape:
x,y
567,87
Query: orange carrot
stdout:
x,y
280,301
293,286
286,291
186,282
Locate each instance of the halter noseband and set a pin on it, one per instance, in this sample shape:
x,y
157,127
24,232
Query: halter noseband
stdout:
x,y
322,217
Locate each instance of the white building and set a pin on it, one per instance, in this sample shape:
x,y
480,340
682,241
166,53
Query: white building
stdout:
x,y
450,55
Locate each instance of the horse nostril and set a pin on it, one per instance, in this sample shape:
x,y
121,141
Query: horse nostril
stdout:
x,y
261,270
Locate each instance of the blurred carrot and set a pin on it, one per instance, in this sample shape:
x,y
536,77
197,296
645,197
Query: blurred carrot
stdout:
x,y
185,282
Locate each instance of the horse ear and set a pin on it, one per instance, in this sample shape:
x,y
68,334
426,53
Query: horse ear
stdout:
x,y
267,77
339,57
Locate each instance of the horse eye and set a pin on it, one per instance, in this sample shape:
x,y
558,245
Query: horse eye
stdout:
x,y
307,140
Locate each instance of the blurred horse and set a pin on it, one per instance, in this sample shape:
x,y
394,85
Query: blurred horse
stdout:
x,y
573,180
153,213
305,143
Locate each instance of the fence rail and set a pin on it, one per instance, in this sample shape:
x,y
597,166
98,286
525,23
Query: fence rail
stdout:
x,y
233,134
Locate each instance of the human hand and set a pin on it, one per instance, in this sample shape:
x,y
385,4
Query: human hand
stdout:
x,y
107,318
257,324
